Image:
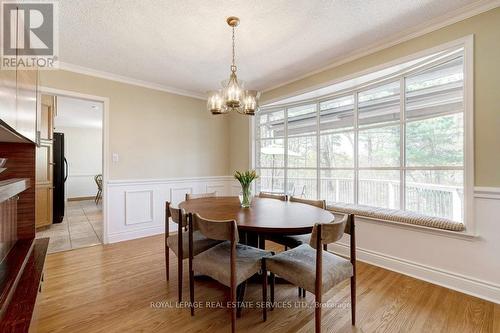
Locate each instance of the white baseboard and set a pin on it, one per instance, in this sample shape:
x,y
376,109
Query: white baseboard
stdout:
x,y
133,234
461,283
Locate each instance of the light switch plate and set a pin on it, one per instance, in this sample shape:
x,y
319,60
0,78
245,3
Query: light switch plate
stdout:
x,y
116,158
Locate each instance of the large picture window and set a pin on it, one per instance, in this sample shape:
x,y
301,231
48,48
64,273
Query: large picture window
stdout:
x,y
391,139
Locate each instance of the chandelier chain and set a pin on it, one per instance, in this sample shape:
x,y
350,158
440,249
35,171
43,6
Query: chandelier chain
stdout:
x,y
234,56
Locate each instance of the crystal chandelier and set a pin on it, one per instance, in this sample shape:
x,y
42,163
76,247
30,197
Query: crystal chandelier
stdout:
x,y
232,96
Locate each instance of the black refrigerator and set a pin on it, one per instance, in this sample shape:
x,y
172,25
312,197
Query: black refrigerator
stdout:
x,y
60,169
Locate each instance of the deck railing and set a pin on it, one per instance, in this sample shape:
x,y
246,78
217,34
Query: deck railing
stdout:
x,y
429,199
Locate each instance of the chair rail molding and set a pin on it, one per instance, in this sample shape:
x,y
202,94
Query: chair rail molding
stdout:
x,y
487,192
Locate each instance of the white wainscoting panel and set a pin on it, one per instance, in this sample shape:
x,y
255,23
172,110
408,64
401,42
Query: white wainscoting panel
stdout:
x,y
219,189
235,189
136,208
139,206
178,194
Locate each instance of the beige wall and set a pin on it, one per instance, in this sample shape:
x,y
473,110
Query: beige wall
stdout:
x,y
239,144
486,30
156,134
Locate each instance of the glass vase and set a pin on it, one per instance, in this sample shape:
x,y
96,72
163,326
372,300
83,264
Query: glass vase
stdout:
x,y
246,196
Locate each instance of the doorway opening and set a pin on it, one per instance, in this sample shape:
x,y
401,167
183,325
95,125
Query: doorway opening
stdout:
x,y
69,183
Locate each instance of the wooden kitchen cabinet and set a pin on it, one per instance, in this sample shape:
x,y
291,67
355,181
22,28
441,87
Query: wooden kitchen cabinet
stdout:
x,y
26,123
8,112
18,103
44,184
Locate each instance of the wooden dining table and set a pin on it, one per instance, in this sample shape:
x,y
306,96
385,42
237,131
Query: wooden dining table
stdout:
x,y
263,217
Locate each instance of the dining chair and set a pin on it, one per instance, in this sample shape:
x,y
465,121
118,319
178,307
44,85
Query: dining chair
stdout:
x,y
190,196
243,261
316,270
281,197
179,243
291,241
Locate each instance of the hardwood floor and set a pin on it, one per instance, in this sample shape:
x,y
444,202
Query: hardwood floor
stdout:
x,y
122,288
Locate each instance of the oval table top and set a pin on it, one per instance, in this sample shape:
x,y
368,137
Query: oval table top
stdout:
x,y
263,216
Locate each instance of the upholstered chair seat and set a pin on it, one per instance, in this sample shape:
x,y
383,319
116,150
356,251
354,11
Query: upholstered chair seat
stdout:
x,y
298,266
200,243
215,262
229,262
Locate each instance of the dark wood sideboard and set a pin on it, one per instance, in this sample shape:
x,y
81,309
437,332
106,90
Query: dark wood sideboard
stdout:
x,y
21,255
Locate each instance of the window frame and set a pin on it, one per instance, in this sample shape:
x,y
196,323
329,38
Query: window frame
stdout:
x,y
468,115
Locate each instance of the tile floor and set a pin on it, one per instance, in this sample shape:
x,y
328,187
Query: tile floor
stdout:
x,y
81,227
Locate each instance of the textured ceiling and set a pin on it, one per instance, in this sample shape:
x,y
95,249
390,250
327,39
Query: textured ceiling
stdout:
x,y
186,44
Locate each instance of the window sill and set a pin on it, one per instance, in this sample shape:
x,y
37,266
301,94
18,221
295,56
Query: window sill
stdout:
x,y
464,235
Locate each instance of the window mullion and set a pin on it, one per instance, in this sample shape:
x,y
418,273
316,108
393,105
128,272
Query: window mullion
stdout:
x,y
318,157
356,158
285,156
402,144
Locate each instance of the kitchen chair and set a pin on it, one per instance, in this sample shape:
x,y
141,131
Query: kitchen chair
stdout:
x,y
98,182
315,270
243,261
179,243
190,196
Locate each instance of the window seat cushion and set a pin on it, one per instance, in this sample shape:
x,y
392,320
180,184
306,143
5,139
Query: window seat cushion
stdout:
x,y
395,215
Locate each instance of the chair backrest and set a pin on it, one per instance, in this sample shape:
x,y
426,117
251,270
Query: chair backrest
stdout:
x,y
178,215
318,203
98,181
328,232
218,230
281,197
190,196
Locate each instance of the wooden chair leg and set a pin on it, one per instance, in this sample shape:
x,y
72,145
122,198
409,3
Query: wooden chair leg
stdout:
x,y
264,290
179,278
353,300
167,260
240,296
191,289
233,310
272,276
317,315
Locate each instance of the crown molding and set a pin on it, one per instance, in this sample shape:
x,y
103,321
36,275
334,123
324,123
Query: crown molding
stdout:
x,y
450,18
124,79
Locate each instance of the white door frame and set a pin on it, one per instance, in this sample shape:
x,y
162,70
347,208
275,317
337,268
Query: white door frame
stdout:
x,y
105,144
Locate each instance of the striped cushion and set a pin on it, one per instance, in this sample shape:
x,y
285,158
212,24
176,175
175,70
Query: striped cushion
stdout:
x,y
397,216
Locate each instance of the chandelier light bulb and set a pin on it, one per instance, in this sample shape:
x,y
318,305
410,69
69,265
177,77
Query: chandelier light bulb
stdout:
x,y
214,102
233,92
